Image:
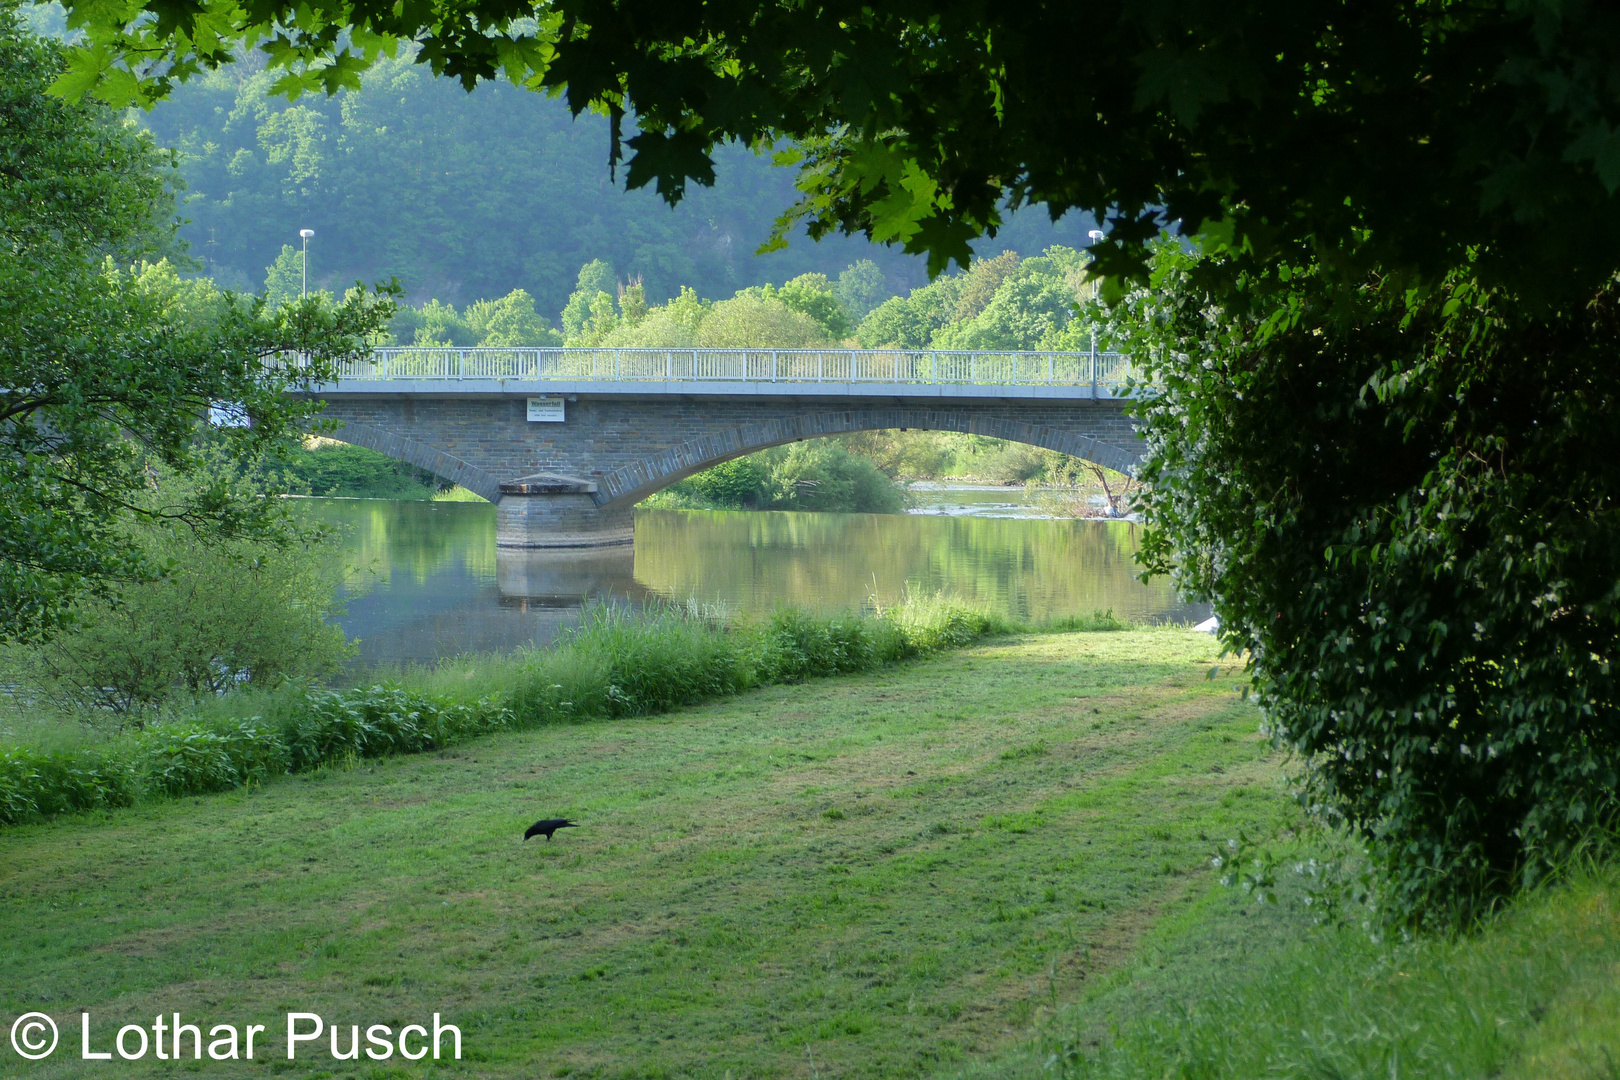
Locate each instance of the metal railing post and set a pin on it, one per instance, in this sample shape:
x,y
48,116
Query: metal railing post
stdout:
x,y
773,365
615,365
461,363
669,367
1094,365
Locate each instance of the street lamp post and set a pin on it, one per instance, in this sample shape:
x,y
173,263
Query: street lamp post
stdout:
x,y
306,234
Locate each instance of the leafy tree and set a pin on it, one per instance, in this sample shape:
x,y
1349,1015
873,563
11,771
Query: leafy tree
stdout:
x,y
753,321
671,326
435,323
1033,302
601,320
982,282
1406,517
632,302
284,278
813,295
910,322
823,475
105,373
596,278
818,475
739,484
860,288
330,468
511,320
242,611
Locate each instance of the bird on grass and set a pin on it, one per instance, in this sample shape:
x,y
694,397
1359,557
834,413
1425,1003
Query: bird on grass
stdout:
x,y
549,826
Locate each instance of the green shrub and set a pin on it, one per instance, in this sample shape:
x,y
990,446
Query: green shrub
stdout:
x,y
380,720
798,646
1401,505
339,470
220,615
34,785
738,484
818,475
193,760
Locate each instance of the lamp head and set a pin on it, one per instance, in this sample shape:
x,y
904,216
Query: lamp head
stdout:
x,y
1095,234
306,233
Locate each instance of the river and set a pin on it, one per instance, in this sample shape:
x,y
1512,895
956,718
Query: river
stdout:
x,y
433,584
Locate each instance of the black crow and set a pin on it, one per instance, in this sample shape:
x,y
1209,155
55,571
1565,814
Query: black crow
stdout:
x,y
549,826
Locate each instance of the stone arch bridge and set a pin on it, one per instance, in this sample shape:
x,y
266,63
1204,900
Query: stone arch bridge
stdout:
x,y
567,441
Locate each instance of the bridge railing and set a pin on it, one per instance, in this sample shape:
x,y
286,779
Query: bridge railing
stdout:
x,y
1104,370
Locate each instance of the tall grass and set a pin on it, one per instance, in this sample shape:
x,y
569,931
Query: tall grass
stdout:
x,y
1516,998
615,663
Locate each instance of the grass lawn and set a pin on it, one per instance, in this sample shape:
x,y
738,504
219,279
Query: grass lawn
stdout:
x,y
884,875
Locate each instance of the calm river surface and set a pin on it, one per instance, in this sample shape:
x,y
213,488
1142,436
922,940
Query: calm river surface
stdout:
x,y
438,586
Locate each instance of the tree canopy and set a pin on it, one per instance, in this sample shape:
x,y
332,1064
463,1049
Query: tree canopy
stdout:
x,y
1393,133
110,364
1407,518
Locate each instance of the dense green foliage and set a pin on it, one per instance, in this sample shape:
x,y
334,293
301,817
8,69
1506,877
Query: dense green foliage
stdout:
x,y
224,614
1400,134
339,470
462,196
818,475
1405,515
109,364
512,320
613,665
177,759
1001,303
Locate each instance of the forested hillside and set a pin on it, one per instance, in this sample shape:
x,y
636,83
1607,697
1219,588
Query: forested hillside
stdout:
x,y
468,196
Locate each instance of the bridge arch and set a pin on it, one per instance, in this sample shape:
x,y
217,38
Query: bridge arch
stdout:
x,y
421,455
629,484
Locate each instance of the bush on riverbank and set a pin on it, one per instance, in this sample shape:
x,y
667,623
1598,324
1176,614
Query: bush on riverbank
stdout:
x,y
203,617
338,470
819,475
614,664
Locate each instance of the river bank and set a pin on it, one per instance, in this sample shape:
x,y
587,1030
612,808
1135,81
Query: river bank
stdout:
x,y
994,862
876,873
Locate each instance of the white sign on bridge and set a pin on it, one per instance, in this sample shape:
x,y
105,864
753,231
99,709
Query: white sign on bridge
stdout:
x,y
548,408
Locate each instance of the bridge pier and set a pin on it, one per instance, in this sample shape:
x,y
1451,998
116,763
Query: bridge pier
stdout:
x,y
551,511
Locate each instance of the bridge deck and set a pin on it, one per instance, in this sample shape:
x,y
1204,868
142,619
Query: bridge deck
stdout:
x,y
935,374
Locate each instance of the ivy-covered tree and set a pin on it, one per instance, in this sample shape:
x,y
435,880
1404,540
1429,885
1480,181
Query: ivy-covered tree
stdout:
x,y
108,364
1406,515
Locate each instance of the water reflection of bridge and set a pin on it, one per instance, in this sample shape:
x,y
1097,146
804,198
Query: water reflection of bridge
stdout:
x,y
567,441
